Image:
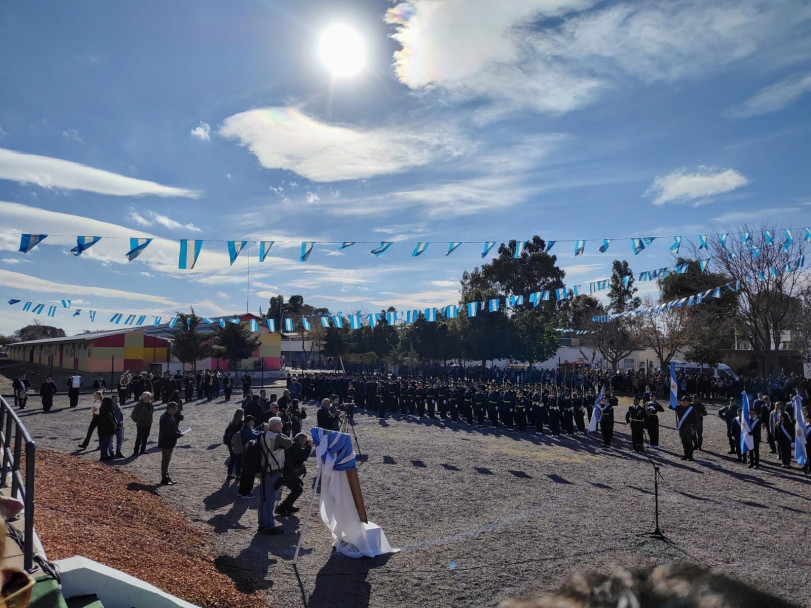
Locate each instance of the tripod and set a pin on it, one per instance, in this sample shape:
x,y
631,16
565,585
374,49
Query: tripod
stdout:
x,y
344,429
657,532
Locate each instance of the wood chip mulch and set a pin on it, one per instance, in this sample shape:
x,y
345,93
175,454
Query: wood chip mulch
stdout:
x,y
111,516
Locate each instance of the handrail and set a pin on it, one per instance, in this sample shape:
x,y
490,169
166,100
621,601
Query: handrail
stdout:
x,y
12,429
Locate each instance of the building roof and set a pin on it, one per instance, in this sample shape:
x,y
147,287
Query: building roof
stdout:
x,y
86,337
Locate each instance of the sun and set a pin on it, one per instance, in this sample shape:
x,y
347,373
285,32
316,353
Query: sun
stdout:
x,y
342,51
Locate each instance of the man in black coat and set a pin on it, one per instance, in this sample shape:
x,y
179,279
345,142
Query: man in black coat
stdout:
x,y
685,418
728,414
46,392
327,418
167,439
636,416
294,471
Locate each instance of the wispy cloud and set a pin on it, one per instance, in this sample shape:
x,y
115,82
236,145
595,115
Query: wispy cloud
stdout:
x,y
159,218
286,138
773,98
312,197
752,214
48,172
681,186
201,131
72,134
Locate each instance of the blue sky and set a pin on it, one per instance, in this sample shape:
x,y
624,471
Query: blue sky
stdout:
x,y
470,121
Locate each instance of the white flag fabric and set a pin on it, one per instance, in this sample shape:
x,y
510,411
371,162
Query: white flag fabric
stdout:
x,y
596,412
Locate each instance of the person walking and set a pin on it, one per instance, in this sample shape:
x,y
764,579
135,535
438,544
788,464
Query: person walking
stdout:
x,y
119,430
94,421
142,415
47,390
168,433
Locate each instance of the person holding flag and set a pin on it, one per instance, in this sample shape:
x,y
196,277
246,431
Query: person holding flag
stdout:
x,y
750,433
802,426
685,415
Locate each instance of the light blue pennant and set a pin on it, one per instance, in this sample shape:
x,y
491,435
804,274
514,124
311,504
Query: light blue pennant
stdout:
x,y
29,241
234,247
137,246
452,247
382,248
264,249
488,245
579,247
676,244
604,247
83,243
419,249
305,251
189,254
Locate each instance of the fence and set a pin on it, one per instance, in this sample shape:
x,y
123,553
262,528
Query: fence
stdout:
x,y
13,435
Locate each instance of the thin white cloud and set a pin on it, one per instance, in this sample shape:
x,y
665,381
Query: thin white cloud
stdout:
x,y
49,172
3,133
26,282
286,138
681,186
72,134
139,219
443,283
312,197
163,220
201,131
12,261
773,98
745,216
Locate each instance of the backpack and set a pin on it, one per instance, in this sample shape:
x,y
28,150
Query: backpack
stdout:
x,y
236,443
229,434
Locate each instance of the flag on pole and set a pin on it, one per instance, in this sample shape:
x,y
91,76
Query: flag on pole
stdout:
x,y
597,411
234,247
801,432
674,387
29,241
419,249
452,247
488,245
189,254
137,247
84,243
306,250
264,248
747,440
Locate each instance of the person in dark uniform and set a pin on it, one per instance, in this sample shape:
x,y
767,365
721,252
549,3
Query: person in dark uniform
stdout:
x,y
579,412
554,412
728,413
522,406
756,431
431,393
566,414
607,421
228,386
637,416
442,400
737,430
652,409
46,392
467,404
419,395
74,386
784,436
481,401
493,401
685,417
698,423
540,416
507,410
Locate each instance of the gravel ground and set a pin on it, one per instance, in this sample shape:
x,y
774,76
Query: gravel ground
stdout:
x,y
482,515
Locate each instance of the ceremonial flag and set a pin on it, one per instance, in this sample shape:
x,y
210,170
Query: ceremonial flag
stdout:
x,y
346,244
264,249
597,411
234,247
338,321
305,322
29,241
418,250
451,311
472,309
488,245
137,246
519,247
381,249
676,244
272,325
702,241
492,304
800,432
306,250
674,387
189,254
83,243
515,301
354,321
288,325
452,247
254,326
324,321
579,247
637,245
747,440
604,246
430,315
391,317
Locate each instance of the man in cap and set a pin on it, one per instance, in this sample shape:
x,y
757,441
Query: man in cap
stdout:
x,y
636,416
685,418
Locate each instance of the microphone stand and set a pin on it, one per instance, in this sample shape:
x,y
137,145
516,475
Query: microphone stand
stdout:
x,y
657,532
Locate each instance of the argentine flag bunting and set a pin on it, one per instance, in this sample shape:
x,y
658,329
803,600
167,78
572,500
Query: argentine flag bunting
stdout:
x,y
305,322
137,246
13,301
722,240
430,315
769,237
801,431
66,303
222,323
172,323
338,321
374,317
488,245
604,246
382,248
272,325
391,317
52,311
421,246
354,321
129,320
116,318
451,311
702,241
493,304
807,236
83,243
452,247
745,237
519,248
472,309
288,325
535,298
93,317
579,247
29,241
346,244
264,248
637,245
324,321
747,441
254,326
676,244
674,387
189,251
306,250
560,294
702,264
549,245
234,247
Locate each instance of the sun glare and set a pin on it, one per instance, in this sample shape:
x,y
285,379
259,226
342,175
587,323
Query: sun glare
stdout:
x,y
342,51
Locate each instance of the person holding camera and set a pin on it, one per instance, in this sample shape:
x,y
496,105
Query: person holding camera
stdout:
x,y
293,472
328,416
274,445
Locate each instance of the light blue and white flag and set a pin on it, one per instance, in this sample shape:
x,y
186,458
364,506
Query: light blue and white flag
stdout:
x,y
472,309
354,321
535,298
419,249
83,243
305,251
189,251
549,245
702,264
324,321
222,323
561,294
339,454
745,237
488,245
305,322
519,248
452,246
288,325
579,247
271,325
374,319
747,440
702,241
604,247
93,317
716,293
430,315
412,316
451,311
264,249
787,243
674,387
234,247
769,237
492,304
157,321
141,320
129,320
545,295
382,248
137,247
800,432
29,241
722,240
254,326
52,311
338,321
597,412
66,303
391,317
116,318
676,244
807,236
637,245
345,244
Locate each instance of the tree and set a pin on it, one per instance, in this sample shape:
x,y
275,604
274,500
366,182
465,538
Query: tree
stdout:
x,y
188,345
621,292
665,332
36,331
234,342
335,342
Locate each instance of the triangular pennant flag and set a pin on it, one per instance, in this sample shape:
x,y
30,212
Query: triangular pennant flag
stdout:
x,y
604,247
745,236
452,247
676,244
722,239
472,309
769,237
92,316
271,325
381,249
12,301
579,247
65,303
264,249
306,250
324,321
519,248
84,243
421,246
345,244
136,247
488,245
189,251
234,247
702,241
549,245
29,241
626,279
288,324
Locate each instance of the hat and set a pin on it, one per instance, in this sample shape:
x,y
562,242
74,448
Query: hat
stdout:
x,y
685,397
249,417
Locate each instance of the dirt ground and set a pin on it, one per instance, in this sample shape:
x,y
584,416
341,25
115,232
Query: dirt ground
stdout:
x,y
482,515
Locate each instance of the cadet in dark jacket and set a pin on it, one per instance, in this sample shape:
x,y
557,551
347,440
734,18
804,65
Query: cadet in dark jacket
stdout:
x,y
168,432
728,414
636,416
46,392
698,422
685,418
294,471
756,431
607,421
652,422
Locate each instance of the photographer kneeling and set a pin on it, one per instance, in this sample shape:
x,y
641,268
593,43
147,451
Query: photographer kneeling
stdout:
x,y
293,472
273,445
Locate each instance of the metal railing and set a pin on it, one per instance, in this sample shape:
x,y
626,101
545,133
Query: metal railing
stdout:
x,y
13,435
